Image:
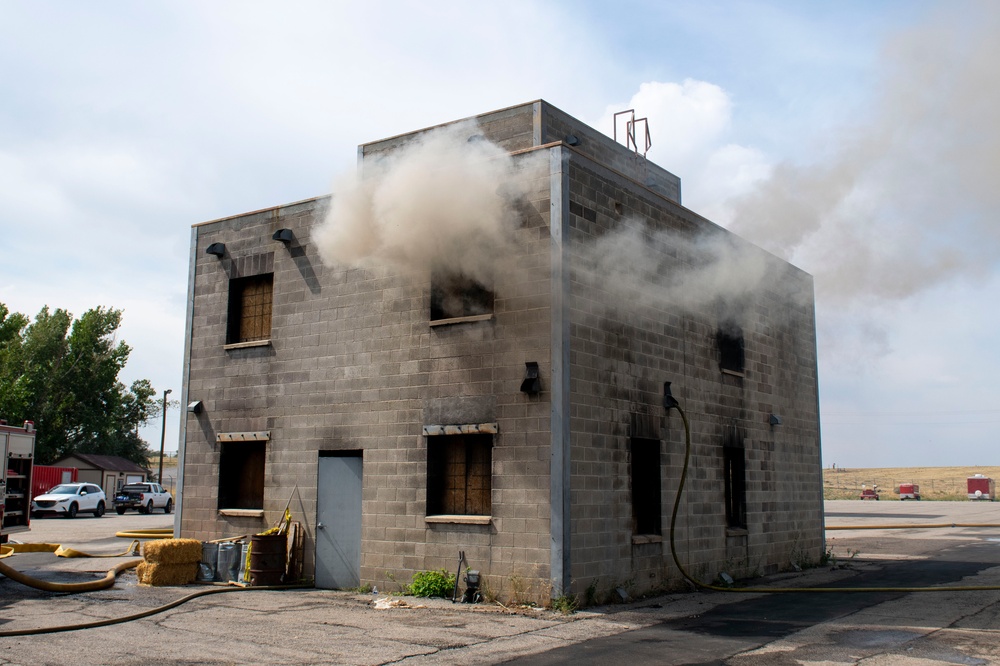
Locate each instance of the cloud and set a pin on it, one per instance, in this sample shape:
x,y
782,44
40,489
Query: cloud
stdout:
x,y
690,125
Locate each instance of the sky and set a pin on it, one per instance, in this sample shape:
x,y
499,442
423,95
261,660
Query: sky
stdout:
x,y
856,139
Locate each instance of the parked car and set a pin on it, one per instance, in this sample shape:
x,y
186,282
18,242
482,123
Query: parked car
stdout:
x,y
70,499
144,497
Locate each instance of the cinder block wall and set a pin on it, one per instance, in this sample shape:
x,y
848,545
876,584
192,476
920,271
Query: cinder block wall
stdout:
x,y
622,352
354,364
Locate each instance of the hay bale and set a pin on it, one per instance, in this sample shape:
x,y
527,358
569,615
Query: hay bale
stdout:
x,y
155,574
172,551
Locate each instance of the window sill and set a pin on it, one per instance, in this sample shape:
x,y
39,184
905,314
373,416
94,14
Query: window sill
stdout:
x,y
638,539
736,531
734,373
242,513
461,320
246,345
459,520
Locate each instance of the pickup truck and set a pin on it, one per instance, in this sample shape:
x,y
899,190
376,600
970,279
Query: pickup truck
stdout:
x,y
143,496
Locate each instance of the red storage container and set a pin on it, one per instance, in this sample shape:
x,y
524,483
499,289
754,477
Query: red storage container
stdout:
x,y
47,476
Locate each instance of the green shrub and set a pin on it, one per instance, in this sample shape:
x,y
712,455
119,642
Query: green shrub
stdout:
x,y
566,604
432,584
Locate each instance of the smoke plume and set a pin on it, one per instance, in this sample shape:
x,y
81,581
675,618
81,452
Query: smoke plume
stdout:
x,y
443,200
907,200
667,270
446,199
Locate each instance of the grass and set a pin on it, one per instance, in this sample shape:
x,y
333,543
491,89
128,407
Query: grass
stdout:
x,y
168,461
936,483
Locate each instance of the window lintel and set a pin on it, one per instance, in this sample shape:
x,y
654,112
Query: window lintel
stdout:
x,y
256,436
461,429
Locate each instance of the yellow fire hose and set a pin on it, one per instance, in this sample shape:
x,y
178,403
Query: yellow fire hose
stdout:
x,y
11,549
769,590
89,586
109,580
59,551
164,533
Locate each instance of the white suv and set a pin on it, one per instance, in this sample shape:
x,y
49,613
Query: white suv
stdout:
x,y
69,499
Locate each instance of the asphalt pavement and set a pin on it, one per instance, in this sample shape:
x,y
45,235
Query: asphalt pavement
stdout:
x,y
329,627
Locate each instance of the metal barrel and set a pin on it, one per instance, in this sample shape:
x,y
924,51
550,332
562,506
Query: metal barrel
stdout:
x,y
267,559
228,552
209,558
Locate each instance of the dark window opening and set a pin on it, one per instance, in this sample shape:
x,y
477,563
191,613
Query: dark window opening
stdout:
x,y
731,353
241,475
734,473
454,296
250,301
644,469
459,475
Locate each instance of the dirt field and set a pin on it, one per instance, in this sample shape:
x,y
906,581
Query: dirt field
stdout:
x,y
936,483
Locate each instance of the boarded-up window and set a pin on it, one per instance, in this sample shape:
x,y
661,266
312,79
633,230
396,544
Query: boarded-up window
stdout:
x,y
241,475
644,468
459,475
250,301
455,295
734,476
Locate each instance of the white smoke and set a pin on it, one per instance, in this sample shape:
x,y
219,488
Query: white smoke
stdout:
x,y
441,200
448,198
908,199
664,269
896,203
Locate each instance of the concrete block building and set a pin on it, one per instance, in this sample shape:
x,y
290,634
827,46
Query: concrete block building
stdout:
x,y
511,407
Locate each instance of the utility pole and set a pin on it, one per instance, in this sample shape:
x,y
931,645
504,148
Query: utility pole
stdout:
x,y
163,434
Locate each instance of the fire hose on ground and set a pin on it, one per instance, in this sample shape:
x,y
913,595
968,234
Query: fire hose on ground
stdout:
x,y
102,584
159,533
59,551
143,614
109,579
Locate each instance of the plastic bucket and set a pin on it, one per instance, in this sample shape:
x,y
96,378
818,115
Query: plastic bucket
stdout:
x,y
209,558
267,559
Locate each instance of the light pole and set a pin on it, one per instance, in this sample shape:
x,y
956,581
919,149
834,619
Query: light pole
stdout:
x,y
163,434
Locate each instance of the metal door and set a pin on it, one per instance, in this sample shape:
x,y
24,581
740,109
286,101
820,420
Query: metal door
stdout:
x,y
338,521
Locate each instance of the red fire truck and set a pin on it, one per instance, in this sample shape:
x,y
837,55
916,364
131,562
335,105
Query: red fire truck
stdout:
x,y
17,453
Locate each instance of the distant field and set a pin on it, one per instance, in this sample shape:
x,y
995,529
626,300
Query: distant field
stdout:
x,y
936,483
168,461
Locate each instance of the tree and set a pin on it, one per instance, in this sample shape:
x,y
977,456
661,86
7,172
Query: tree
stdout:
x,y
63,375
